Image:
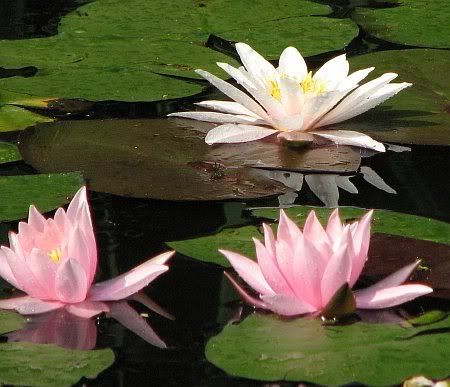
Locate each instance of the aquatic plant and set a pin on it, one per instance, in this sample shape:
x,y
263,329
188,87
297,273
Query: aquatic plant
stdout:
x,y
291,100
54,262
302,272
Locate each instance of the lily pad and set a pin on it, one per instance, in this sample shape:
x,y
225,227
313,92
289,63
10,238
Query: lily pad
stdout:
x,y
46,192
10,321
49,365
421,23
418,115
240,239
115,50
168,159
264,347
17,118
8,153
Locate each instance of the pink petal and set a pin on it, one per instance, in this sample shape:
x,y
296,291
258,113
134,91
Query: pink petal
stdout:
x,y
76,204
231,133
334,227
249,271
336,274
288,231
143,299
269,239
247,298
84,222
71,282
35,219
30,305
388,297
361,241
314,232
348,137
78,250
270,270
130,282
287,306
87,309
44,270
5,271
131,320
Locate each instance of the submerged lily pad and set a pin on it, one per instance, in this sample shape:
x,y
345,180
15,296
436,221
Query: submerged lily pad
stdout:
x,y
264,347
10,321
46,192
116,50
169,159
420,23
49,365
240,239
418,115
8,153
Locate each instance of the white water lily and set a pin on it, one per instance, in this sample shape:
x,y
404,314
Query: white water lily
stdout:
x,y
291,100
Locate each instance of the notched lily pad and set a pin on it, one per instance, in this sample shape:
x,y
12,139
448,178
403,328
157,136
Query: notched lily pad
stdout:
x,y
17,118
10,321
420,23
417,115
8,153
49,365
264,347
169,159
46,192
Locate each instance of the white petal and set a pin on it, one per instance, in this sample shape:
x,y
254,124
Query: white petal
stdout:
x,y
229,133
292,64
226,107
218,118
348,137
345,183
292,97
324,187
354,78
375,179
234,93
333,72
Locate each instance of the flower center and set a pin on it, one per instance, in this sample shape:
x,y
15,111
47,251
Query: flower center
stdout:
x,y
312,85
275,90
55,255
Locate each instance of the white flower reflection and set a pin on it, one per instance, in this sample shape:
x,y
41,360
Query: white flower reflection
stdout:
x,y
70,331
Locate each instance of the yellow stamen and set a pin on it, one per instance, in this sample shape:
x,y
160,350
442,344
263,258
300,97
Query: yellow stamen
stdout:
x,y
312,85
275,90
55,255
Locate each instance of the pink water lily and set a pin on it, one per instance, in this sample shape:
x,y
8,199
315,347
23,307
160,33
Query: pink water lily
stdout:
x,y
291,100
54,262
300,272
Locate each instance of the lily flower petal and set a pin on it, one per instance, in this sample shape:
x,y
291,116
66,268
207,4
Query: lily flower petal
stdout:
x,y
227,107
29,305
287,306
348,137
87,309
292,65
230,133
220,118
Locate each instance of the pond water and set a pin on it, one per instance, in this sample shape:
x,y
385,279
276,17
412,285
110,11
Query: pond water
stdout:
x,y
411,179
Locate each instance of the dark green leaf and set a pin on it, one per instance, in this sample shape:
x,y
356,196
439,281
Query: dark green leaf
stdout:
x,y
17,118
264,347
8,153
10,321
46,192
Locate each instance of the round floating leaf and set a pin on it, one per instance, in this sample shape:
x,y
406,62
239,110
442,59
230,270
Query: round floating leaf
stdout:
x,y
240,239
264,347
17,118
8,153
48,365
418,115
420,23
46,192
10,321
116,50
169,159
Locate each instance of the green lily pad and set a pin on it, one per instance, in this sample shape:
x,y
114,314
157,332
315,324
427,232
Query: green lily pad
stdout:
x,y
10,321
421,23
115,50
169,159
8,153
264,347
240,239
46,192
49,365
17,118
417,115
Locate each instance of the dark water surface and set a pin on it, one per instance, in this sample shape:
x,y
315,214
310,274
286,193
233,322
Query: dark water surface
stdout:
x,y
130,230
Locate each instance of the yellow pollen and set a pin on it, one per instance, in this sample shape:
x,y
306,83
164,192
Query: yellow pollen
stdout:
x,y
312,85
55,255
275,90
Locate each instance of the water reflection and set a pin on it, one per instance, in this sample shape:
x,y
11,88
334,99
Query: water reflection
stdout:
x,y
69,331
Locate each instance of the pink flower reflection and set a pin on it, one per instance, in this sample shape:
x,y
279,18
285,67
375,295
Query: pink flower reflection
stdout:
x,y
54,262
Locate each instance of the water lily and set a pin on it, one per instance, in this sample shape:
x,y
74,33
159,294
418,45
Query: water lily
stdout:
x,y
300,272
291,100
54,262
